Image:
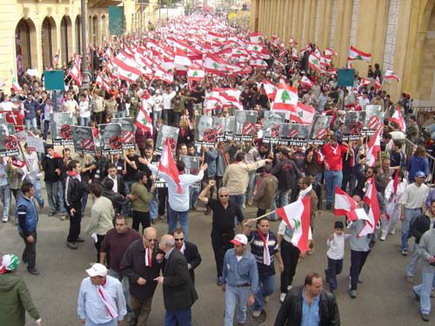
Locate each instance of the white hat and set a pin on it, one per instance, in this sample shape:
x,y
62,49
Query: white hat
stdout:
x,y
240,239
97,270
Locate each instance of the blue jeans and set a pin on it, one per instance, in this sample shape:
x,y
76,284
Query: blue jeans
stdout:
x,y
61,197
157,115
110,323
83,121
38,193
182,217
424,289
410,214
52,195
236,296
122,114
239,200
31,124
332,179
335,266
125,286
5,197
412,265
194,194
181,317
282,197
266,286
153,206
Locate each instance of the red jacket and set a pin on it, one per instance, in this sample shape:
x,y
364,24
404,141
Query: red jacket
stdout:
x,y
333,156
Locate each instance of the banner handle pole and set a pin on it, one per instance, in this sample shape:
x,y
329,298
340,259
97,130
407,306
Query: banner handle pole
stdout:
x,y
259,217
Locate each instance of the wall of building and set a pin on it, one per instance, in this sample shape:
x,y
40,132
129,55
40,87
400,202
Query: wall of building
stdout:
x,y
34,12
400,35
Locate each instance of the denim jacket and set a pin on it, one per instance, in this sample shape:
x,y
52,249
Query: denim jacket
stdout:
x,y
27,215
236,273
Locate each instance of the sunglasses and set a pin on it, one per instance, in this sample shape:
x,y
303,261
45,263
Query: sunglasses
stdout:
x,y
181,239
223,195
151,240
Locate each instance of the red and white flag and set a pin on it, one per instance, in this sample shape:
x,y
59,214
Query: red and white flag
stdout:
x,y
330,53
255,37
378,84
126,72
365,82
286,98
144,121
195,73
397,118
373,148
374,215
344,204
167,164
270,89
292,42
314,62
304,114
76,74
306,81
389,74
355,54
297,217
181,58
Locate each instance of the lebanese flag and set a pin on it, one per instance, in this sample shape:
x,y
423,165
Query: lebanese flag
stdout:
x,y
314,62
164,75
126,72
76,74
306,81
304,114
286,98
255,37
344,204
195,73
365,82
397,118
270,89
181,58
377,83
258,63
374,215
355,54
389,74
325,61
215,65
215,37
167,164
297,217
292,42
144,121
330,53
373,148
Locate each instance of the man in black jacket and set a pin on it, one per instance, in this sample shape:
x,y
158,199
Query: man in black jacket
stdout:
x,y
418,227
51,167
141,267
189,250
74,189
178,291
315,299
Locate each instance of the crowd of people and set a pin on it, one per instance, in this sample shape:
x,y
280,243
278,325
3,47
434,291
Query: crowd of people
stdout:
x,y
132,261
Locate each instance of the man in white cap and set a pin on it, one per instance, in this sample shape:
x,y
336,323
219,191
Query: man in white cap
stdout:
x,y
240,280
101,300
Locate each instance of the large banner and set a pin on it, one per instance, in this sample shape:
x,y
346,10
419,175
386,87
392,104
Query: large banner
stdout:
x,y
374,119
110,138
127,131
83,140
61,128
167,132
116,20
245,125
353,125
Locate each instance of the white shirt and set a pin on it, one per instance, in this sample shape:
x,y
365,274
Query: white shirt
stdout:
x,y
167,98
336,246
115,183
179,202
85,112
363,101
158,103
414,196
6,106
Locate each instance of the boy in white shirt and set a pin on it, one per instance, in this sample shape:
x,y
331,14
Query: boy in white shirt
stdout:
x,y
335,254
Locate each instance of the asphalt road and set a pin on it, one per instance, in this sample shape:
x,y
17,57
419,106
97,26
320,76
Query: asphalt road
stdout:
x,y
384,298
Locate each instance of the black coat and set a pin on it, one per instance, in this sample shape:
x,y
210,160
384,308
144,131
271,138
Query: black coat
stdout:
x,y
49,165
193,257
121,184
133,266
290,313
178,290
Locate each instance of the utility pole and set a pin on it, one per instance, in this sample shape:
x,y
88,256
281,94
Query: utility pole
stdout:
x,y
85,72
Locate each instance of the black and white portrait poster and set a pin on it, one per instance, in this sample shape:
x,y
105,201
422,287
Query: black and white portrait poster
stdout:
x,y
245,125
353,125
9,144
110,139
272,126
320,128
127,131
374,119
83,140
295,134
61,131
167,132
206,131
229,127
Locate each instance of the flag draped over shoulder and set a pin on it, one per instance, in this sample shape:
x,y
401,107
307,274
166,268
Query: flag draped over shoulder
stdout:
x,y
297,217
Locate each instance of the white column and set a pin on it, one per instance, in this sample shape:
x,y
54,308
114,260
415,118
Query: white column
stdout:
x,y
333,24
390,39
354,22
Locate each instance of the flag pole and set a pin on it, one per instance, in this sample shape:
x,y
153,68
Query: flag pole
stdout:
x,y
259,217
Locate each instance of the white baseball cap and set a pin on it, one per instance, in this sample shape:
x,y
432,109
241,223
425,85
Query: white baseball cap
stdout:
x,y
97,270
240,239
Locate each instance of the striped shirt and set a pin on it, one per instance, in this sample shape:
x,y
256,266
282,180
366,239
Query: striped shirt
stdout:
x,y
257,249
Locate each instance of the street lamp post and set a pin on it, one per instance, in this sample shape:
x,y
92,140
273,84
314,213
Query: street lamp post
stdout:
x,y
85,72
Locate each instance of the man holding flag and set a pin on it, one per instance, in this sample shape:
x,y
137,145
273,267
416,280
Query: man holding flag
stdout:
x,y
178,187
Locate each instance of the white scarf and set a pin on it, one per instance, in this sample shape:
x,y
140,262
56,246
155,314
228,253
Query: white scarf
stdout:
x,y
148,257
108,301
303,193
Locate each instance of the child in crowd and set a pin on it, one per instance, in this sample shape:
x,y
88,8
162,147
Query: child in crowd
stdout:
x,y
335,254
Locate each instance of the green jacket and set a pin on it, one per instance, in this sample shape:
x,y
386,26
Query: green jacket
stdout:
x,y
144,197
15,299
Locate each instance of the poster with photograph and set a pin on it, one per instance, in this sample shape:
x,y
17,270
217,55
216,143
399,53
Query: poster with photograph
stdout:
x,y
295,134
320,129
192,164
374,119
167,132
159,182
245,125
229,124
127,131
272,126
353,125
83,140
109,136
206,130
9,144
36,143
61,131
